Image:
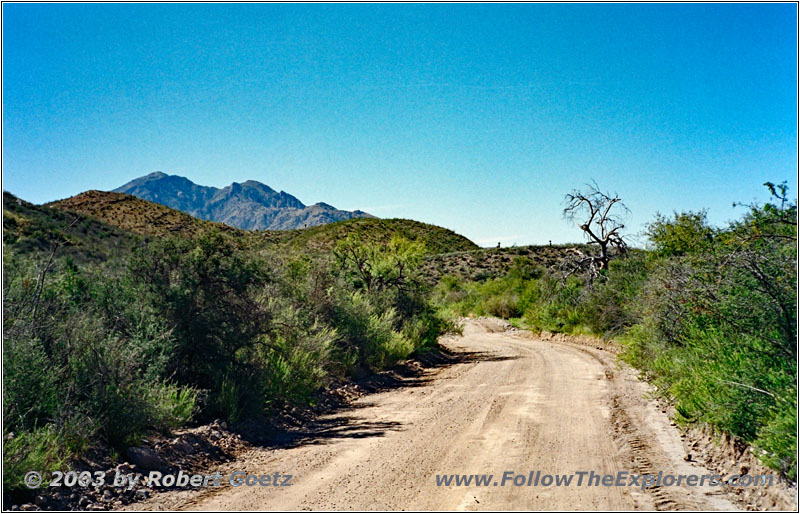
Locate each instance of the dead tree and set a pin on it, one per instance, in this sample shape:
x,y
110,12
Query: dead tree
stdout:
x,y
599,215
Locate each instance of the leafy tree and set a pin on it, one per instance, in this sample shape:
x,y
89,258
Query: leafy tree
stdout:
x,y
203,288
376,267
686,233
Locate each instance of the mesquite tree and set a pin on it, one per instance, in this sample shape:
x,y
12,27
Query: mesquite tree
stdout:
x,y
599,215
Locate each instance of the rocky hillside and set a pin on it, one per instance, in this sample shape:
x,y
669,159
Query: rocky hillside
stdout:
x,y
36,230
486,263
250,205
136,215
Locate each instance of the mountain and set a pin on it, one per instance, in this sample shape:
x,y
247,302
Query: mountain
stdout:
x,y
250,205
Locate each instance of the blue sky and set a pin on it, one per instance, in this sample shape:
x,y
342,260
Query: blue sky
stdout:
x,y
475,117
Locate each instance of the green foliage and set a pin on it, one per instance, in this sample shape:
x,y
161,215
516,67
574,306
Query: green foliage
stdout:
x,y
203,289
539,298
385,345
181,330
612,306
295,364
323,239
708,315
173,406
686,233
375,267
41,450
73,344
505,296
777,437
718,330
559,307
387,317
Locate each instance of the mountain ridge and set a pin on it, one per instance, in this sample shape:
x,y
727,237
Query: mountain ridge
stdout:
x,y
249,205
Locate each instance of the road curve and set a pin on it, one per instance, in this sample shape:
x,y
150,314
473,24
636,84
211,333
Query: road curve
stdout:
x,y
515,404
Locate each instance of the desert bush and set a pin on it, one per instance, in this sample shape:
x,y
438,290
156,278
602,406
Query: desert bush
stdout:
x,y
41,449
559,304
611,306
294,363
204,290
503,306
185,330
777,439
719,329
708,314
80,363
385,314
686,233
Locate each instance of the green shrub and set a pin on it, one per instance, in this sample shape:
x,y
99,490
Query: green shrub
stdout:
x,y
387,346
171,406
204,289
41,449
502,306
294,365
612,305
777,440
191,329
708,315
686,233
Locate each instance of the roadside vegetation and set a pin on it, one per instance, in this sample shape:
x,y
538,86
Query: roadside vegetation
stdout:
x,y
708,314
107,337
111,333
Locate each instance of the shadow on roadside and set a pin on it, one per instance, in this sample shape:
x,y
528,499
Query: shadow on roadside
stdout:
x,y
334,416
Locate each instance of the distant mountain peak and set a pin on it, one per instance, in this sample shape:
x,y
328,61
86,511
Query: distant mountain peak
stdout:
x,y
250,205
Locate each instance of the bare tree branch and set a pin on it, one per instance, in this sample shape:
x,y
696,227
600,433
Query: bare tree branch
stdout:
x,y
602,226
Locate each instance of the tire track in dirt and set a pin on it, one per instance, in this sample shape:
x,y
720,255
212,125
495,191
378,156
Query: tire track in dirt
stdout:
x,y
515,403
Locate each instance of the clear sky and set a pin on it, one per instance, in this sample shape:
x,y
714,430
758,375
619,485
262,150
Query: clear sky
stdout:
x,y
475,117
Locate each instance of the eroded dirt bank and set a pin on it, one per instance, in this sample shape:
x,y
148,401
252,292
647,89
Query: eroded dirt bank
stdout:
x,y
514,403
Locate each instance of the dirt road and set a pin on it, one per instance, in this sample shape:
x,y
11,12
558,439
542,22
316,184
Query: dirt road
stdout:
x,y
514,404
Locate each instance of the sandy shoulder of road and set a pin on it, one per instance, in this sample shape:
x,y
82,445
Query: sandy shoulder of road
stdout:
x,y
512,403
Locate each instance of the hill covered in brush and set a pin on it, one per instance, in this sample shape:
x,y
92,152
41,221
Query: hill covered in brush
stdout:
x,y
34,230
136,215
324,238
151,219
